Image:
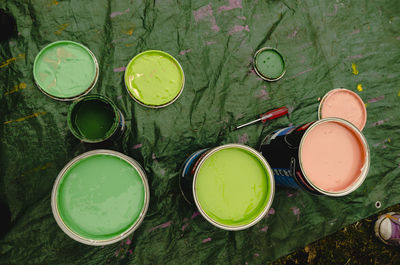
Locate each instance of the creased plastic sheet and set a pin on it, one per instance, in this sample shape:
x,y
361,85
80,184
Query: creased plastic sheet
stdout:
x,y
327,44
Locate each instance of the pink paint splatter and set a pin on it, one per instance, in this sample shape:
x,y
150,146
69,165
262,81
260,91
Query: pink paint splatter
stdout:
x,y
241,17
243,138
194,215
184,226
296,212
256,254
207,240
271,211
379,122
293,34
119,97
164,225
137,146
130,252
116,253
289,194
210,42
262,94
185,51
301,73
119,69
128,241
264,229
373,100
358,56
232,5
114,14
238,28
355,32
206,12
398,38
162,172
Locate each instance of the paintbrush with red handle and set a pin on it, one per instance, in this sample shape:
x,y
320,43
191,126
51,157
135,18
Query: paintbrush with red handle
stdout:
x,y
270,115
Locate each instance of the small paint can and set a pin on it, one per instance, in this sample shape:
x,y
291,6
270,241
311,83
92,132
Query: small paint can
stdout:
x,y
269,64
387,228
154,79
325,157
231,185
65,70
100,197
95,118
345,104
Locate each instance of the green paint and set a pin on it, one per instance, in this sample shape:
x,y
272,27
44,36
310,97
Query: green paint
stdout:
x,y
270,63
233,187
100,197
154,78
64,69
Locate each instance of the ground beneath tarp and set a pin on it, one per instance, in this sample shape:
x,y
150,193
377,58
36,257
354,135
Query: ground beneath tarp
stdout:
x,y
327,44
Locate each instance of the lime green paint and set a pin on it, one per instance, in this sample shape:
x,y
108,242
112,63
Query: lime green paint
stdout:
x,y
94,119
154,78
64,69
232,187
100,197
270,63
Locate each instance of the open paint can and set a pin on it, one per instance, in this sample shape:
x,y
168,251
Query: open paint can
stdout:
x,y
269,64
95,118
154,79
232,185
326,157
65,70
100,197
345,104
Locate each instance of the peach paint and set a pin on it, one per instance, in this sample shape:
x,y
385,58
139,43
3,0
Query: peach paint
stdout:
x,y
332,156
345,104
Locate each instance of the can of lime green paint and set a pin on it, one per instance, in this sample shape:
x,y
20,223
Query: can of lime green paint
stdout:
x,y
100,197
232,185
95,118
269,64
154,79
65,70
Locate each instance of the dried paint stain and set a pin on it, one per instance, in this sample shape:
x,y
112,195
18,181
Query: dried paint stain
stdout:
x,y
359,87
206,12
232,5
238,28
354,68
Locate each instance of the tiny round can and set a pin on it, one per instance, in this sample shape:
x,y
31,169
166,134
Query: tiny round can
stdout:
x,y
277,62
190,184
95,118
154,79
283,149
100,197
65,70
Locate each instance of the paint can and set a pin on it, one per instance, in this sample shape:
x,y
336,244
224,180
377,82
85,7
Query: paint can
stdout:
x,y
231,185
154,79
269,64
65,70
345,104
306,156
95,118
100,197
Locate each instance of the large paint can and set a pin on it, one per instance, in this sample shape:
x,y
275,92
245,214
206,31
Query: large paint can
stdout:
x,y
232,185
154,79
326,157
100,197
95,118
65,70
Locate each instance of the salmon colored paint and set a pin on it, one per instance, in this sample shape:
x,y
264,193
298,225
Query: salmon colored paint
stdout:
x,y
332,156
345,104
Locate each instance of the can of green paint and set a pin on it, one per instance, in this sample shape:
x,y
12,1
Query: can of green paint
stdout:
x,y
100,197
154,79
269,64
95,118
231,185
65,70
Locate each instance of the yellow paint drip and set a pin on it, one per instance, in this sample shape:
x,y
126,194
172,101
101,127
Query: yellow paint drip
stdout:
x,y
36,114
398,94
354,67
8,61
16,88
389,140
61,28
359,87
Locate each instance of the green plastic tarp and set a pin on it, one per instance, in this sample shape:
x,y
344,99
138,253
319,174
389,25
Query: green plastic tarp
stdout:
x,y
326,44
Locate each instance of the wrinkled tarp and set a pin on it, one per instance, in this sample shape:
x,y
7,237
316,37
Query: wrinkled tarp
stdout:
x,y
327,44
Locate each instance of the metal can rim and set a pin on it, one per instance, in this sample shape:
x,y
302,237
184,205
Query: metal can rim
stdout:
x,y
123,235
356,184
270,178
162,105
91,86
260,74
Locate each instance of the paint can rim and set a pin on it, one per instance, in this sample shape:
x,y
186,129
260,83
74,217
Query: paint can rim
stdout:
x,y
266,78
124,234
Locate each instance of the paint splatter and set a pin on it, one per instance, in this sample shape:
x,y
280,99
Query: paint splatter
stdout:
x,y
185,51
256,255
373,100
130,31
128,241
262,94
380,122
61,28
184,227
355,32
289,194
388,140
296,212
301,73
238,28
270,212
293,34
359,87
354,68
398,94
16,88
358,56
137,146
264,229
398,38
206,12
243,138
207,240
232,5
239,116
114,14
8,61
130,252
36,114
194,215
164,225
162,172
119,69
241,17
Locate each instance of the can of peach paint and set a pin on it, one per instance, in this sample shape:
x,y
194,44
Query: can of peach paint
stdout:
x,y
305,157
